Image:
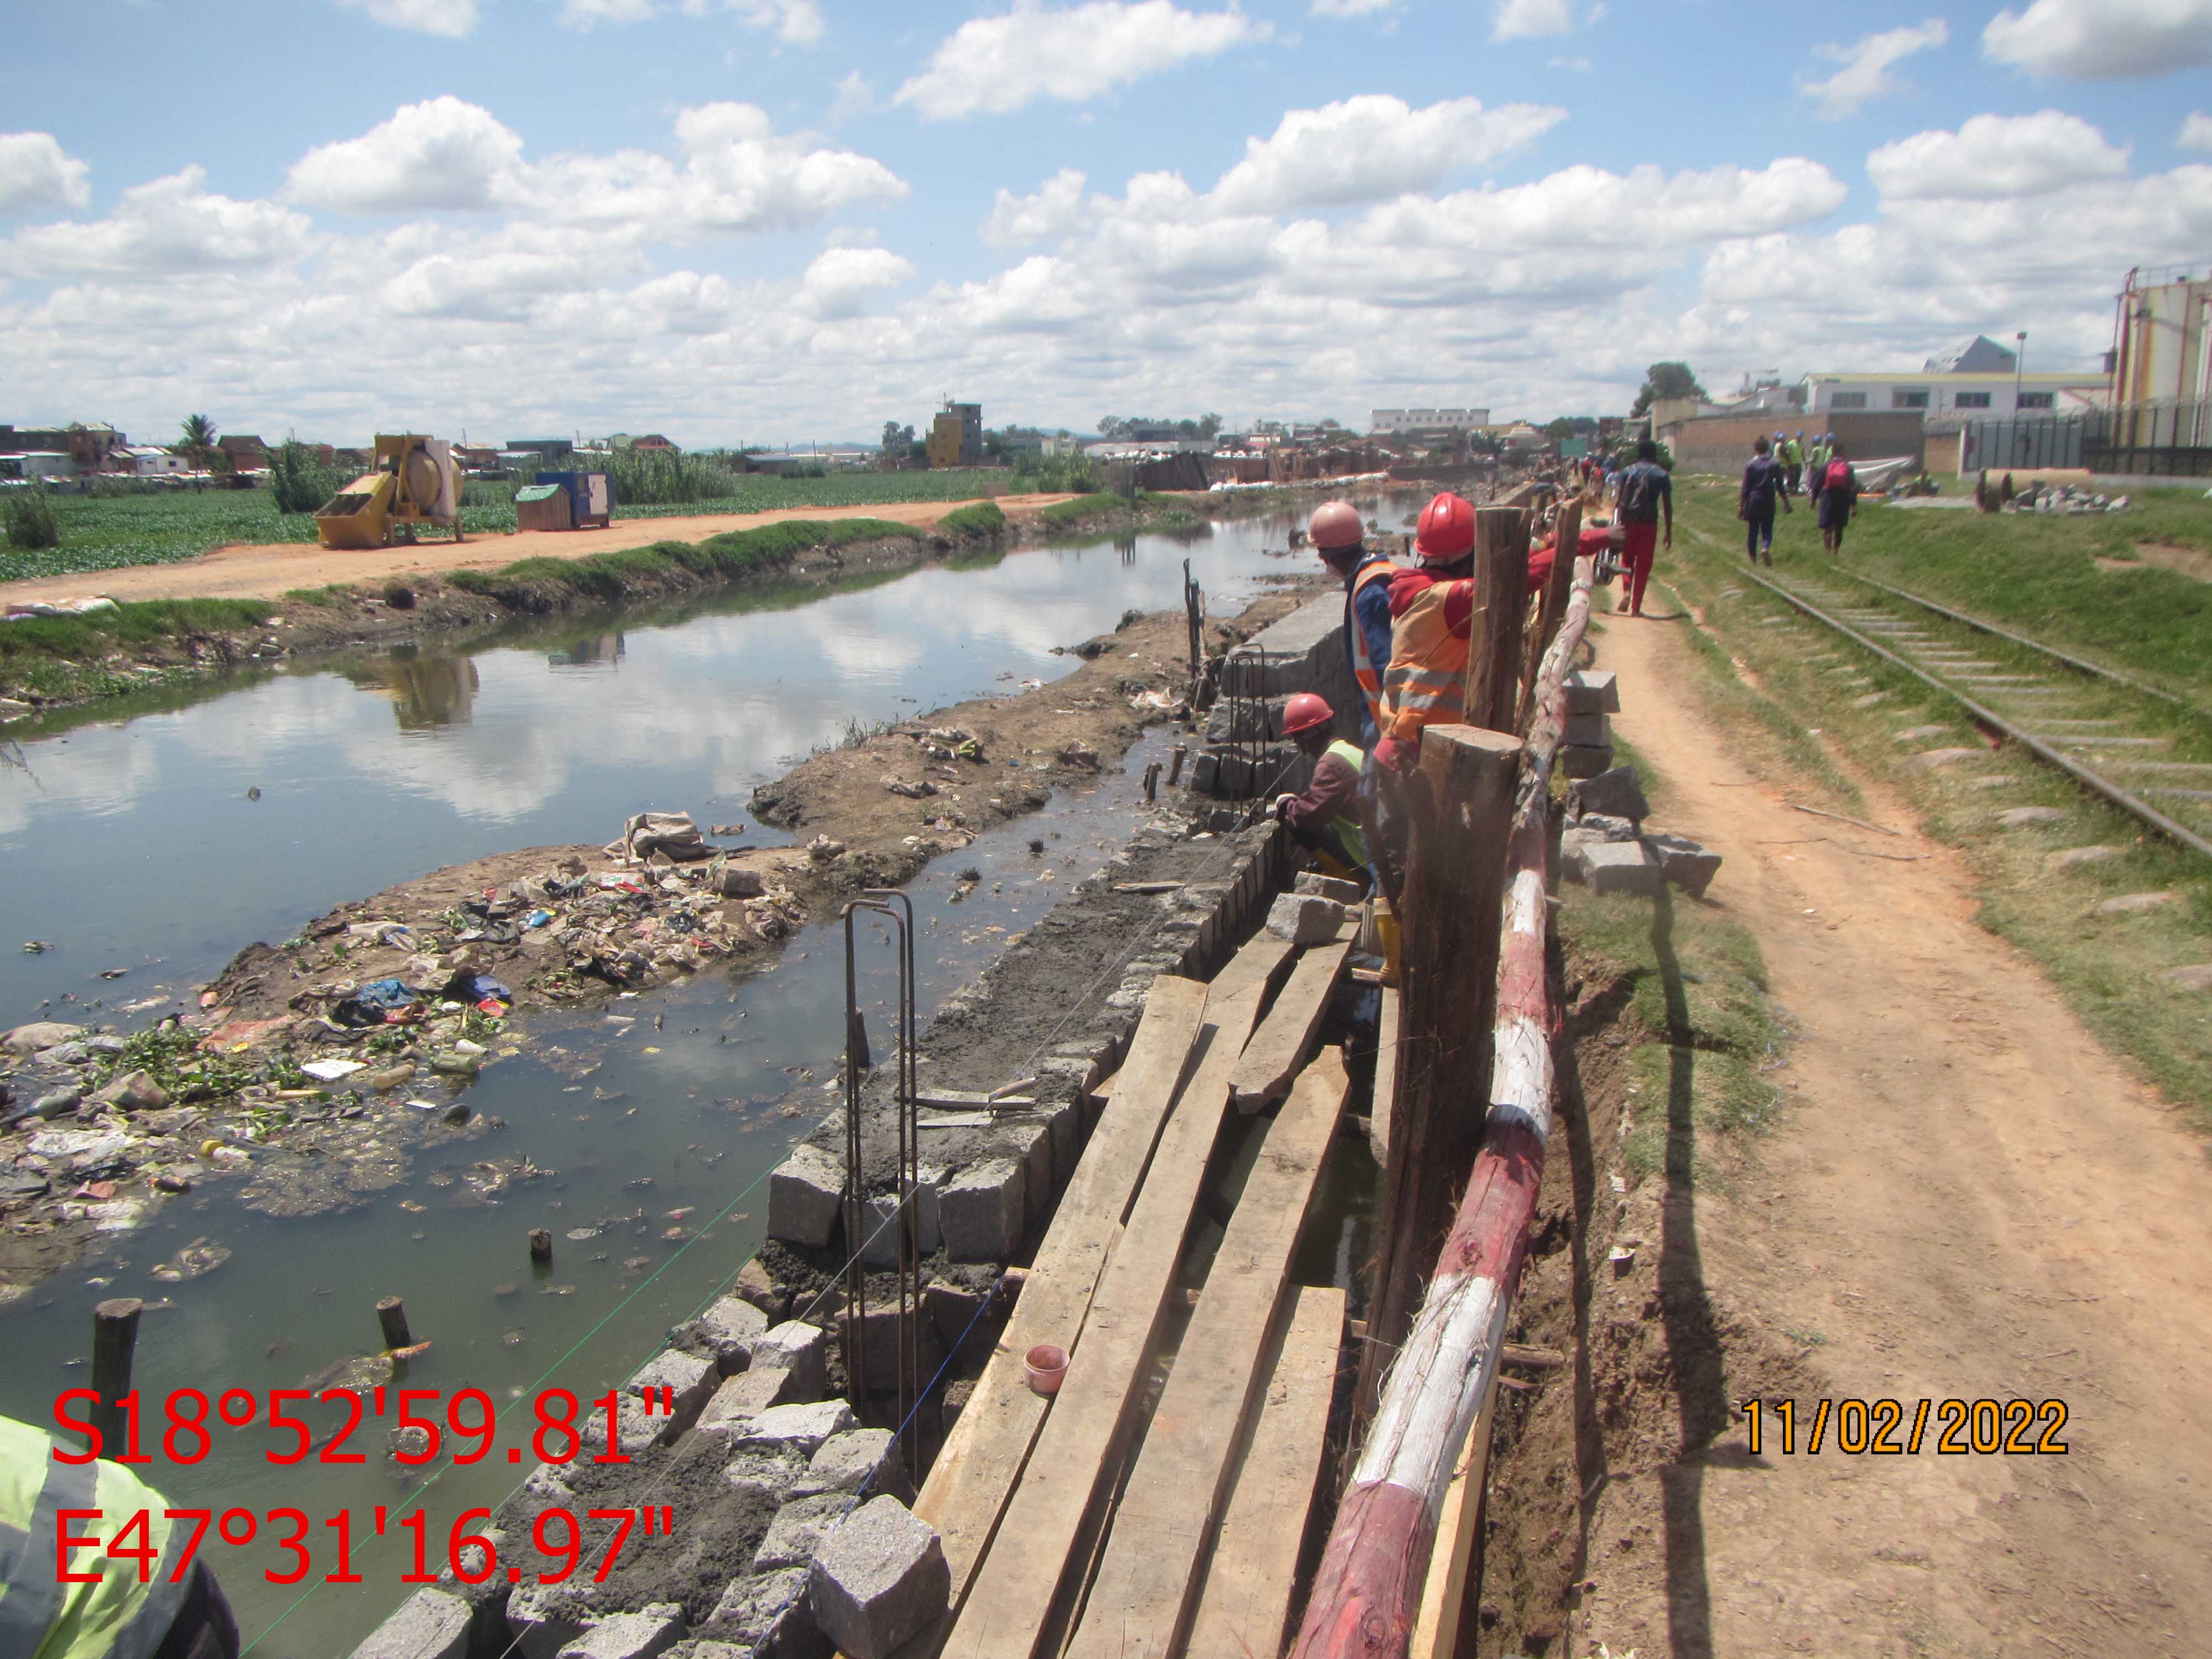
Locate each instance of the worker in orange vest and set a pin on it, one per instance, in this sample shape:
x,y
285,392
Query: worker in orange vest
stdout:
x,y
1340,539
1431,621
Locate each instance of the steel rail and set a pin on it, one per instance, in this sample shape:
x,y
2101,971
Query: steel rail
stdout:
x,y
2081,664
2094,782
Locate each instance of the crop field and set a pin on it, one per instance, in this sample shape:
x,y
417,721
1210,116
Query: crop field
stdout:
x,y
103,533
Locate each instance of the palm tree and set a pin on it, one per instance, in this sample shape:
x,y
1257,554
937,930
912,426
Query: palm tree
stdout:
x,y
197,441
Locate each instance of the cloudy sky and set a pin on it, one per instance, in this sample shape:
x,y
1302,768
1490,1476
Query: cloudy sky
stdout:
x,y
766,220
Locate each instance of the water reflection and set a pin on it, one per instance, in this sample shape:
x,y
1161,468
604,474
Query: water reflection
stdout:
x,y
426,691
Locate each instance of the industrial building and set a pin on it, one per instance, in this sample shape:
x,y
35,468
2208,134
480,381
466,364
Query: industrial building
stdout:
x,y
1426,419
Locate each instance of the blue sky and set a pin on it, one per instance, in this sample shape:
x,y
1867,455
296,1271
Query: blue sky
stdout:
x,y
760,219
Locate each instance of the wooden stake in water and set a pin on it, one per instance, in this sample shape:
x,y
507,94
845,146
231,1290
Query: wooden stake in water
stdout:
x,y
114,1340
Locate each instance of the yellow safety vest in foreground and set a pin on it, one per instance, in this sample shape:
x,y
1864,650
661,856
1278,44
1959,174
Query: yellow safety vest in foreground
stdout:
x,y
41,1617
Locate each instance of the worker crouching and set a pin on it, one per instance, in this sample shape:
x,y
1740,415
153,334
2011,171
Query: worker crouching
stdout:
x,y
1324,817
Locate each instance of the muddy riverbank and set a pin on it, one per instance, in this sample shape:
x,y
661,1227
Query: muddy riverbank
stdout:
x,y
467,954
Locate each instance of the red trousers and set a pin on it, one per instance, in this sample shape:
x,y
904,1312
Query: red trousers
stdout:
x,y
1640,542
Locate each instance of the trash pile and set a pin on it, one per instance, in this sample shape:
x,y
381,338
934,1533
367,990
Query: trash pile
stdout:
x,y
2046,497
360,1015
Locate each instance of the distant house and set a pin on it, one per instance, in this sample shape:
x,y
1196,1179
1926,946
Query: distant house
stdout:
x,y
1979,356
248,453
89,445
151,461
956,436
647,441
546,451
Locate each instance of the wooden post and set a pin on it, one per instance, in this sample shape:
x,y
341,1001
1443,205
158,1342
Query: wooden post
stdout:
x,y
1152,782
541,1245
1460,804
114,1340
393,1316
1175,763
1501,606
1553,607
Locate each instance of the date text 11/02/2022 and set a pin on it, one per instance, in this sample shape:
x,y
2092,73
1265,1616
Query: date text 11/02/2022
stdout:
x,y
472,1556
425,1423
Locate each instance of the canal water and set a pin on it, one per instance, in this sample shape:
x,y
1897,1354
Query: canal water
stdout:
x,y
134,843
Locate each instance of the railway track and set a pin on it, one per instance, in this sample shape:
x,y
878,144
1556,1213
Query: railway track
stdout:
x,y
2140,747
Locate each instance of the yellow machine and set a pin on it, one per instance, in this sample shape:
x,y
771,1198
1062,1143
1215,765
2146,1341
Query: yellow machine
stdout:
x,y
417,480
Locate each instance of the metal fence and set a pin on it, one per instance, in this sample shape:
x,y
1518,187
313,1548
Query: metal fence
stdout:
x,y
2167,438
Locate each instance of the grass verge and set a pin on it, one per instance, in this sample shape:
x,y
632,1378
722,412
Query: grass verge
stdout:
x,y
2107,965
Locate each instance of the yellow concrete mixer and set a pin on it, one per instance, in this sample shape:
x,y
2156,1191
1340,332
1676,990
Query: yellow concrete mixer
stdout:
x,y
417,480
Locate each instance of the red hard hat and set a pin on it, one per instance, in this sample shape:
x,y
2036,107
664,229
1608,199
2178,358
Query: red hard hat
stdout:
x,y
1446,534
1306,710
1335,525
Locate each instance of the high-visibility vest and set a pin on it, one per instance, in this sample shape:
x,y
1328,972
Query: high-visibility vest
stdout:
x,y
41,1617
1346,824
1365,669
1427,682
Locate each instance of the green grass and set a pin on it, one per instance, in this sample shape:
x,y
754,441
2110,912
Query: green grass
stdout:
x,y
2034,572
1079,509
1695,988
983,519
2104,966
105,532
539,584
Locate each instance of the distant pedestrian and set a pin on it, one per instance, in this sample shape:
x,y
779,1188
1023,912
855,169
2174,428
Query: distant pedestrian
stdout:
x,y
1646,493
1816,468
1793,461
1839,500
1763,480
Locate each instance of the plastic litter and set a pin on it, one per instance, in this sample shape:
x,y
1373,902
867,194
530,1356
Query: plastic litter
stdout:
x,y
330,1071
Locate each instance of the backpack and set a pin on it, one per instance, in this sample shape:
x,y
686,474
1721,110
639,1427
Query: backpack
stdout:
x,y
1840,475
1639,502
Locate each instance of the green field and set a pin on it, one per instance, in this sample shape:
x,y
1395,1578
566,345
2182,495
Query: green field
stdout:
x,y
102,532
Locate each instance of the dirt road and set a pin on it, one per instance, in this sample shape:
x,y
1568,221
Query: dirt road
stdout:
x,y
248,572
1968,1198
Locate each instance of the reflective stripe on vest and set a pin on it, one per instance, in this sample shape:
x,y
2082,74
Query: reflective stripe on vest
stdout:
x,y
31,1597
150,1626
1427,682
1363,668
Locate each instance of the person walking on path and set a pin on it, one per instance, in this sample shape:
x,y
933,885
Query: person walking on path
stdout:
x,y
1816,466
1839,500
1763,481
1646,491
1793,460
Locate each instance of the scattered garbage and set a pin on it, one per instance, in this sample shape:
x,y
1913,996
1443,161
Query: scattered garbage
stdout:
x,y
2042,497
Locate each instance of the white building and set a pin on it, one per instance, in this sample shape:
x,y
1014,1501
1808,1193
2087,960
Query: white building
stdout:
x,y
1426,419
151,461
31,466
1976,380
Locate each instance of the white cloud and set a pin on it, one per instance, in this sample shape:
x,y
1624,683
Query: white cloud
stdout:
x,y
1865,74
1579,65
1994,157
991,65
738,174
171,225
841,279
452,18
439,154
36,172
582,13
1523,20
2196,132
1351,8
1056,210
2101,39
855,97
1373,146
796,23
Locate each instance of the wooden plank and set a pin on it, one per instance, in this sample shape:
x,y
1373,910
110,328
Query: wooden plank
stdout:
x,y
1451,1563
1009,1600
1271,1060
1246,1604
1385,1077
968,1484
1142,1600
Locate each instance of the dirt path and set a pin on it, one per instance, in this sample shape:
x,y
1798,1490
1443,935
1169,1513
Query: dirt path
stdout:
x,y
247,572
1969,1199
